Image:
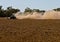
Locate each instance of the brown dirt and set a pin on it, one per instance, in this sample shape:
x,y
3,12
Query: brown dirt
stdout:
x,y
29,30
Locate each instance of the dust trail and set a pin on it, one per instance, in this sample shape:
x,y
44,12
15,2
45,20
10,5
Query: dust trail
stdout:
x,y
47,15
34,15
51,15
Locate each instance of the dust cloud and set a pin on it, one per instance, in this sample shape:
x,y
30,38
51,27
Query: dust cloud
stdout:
x,y
51,15
35,15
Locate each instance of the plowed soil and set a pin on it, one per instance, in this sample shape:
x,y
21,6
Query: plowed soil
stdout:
x,y
29,30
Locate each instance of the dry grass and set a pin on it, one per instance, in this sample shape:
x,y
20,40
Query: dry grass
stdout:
x,y
29,30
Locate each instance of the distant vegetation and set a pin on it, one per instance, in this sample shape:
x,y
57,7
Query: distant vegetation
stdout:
x,y
33,10
10,10
58,9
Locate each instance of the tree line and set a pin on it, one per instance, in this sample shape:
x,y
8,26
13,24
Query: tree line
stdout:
x,y
10,10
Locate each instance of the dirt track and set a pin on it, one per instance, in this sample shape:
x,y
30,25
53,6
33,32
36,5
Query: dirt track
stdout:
x,y
29,30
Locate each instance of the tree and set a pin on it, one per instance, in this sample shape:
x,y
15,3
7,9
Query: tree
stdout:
x,y
10,11
58,9
28,10
42,11
2,12
0,7
36,10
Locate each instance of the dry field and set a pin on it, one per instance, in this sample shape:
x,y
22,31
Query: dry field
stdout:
x,y
29,30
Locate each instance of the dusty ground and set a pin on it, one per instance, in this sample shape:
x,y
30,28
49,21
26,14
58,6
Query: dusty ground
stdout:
x,y
29,30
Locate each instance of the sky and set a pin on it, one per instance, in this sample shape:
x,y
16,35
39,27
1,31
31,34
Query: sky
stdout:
x,y
33,4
